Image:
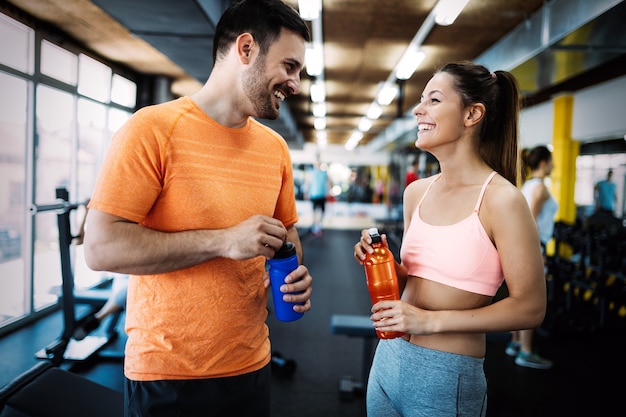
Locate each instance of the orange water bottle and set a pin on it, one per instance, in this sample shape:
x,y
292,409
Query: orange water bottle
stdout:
x,y
380,272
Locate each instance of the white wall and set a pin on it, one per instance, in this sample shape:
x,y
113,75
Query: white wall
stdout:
x,y
536,125
599,114
600,111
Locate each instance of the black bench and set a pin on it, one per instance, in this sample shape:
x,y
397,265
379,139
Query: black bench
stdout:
x,y
355,326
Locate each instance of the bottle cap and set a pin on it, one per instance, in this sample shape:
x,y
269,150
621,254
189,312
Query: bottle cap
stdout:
x,y
373,232
286,251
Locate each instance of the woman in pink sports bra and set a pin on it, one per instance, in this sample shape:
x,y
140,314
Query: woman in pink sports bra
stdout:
x,y
466,230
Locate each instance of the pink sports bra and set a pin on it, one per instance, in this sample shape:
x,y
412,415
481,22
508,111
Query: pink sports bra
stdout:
x,y
460,255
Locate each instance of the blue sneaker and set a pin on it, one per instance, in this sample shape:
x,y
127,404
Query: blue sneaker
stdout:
x,y
512,349
532,360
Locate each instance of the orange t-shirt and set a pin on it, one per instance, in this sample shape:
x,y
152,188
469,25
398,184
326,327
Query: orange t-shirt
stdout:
x,y
172,168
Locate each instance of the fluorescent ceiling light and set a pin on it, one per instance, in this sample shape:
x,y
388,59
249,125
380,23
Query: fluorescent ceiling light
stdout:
x,y
314,59
365,124
387,93
310,9
374,111
319,123
319,109
409,62
322,139
446,11
318,91
353,140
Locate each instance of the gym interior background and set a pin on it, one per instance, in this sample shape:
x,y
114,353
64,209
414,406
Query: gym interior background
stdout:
x,y
62,102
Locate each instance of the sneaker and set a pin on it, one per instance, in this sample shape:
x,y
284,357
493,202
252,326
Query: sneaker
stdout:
x,y
316,230
85,326
512,349
532,360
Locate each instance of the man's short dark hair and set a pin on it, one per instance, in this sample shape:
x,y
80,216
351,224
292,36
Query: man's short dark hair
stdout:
x,y
264,19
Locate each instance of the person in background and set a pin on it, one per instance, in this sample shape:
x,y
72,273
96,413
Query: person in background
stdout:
x,y
379,191
411,174
467,229
538,163
176,208
605,194
114,304
318,193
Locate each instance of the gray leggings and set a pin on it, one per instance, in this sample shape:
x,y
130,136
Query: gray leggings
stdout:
x,y
411,381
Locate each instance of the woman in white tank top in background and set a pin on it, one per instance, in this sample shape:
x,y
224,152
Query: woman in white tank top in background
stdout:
x,y
538,164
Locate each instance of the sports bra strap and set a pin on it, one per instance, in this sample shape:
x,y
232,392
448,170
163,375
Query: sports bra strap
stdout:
x,y
482,191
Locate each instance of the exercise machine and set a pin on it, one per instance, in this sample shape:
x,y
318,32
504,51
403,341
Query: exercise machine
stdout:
x,y
66,347
48,391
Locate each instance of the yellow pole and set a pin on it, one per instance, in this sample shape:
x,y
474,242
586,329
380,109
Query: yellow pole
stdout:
x,y
564,154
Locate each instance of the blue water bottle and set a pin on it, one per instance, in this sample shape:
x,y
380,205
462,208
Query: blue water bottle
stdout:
x,y
284,261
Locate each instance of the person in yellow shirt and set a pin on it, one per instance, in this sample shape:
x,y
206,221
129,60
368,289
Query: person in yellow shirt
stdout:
x,y
176,208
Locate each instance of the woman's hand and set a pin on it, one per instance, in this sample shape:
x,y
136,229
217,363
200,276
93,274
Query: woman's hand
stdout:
x,y
399,316
364,246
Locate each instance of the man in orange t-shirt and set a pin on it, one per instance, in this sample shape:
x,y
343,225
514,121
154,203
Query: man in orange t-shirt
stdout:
x,y
175,207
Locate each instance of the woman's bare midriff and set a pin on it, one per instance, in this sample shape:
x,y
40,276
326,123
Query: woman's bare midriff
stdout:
x,y
430,295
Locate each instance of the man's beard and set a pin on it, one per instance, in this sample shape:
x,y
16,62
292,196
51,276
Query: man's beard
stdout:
x,y
255,88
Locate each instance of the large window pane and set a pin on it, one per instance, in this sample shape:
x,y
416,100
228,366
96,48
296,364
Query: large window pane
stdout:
x,y
17,43
55,129
14,296
53,165
116,119
58,63
91,135
123,91
65,148
47,260
94,79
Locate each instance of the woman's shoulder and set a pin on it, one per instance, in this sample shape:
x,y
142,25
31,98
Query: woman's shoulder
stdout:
x,y
501,195
504,209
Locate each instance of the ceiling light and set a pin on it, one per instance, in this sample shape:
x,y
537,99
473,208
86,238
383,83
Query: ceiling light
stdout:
x,y
446,11
387,93
353,140
318,91
310,9
319,123
409,62
365,124
319,109
322,139
314,59
374,111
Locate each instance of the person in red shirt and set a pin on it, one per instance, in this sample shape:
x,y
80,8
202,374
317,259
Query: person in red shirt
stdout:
x,y
411,174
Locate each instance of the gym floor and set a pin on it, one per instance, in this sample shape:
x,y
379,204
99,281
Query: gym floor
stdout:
x,y
587,378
